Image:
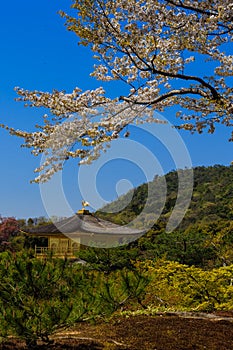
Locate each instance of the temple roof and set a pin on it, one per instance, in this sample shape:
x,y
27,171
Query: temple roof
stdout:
x,y
83,224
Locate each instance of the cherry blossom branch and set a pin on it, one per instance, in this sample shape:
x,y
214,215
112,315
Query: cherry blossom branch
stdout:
x,y
147,45
165,96
192,8
213,91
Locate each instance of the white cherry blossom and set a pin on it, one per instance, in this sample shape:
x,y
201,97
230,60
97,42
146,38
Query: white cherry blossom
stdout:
x,y
151,46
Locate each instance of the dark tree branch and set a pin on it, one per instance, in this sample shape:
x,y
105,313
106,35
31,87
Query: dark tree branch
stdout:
x,y
166,96
213,91
192,8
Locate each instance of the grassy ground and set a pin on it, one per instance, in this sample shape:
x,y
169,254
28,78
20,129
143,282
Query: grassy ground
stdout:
x,y
160,332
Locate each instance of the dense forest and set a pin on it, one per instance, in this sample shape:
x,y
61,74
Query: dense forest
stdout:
x,y
189,269
204,237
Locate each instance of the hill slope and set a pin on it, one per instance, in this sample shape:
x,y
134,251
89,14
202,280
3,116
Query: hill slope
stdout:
x,y
211,200
205,235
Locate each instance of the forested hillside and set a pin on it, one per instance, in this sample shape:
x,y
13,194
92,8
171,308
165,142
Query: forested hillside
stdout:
x,y
205,235
188,269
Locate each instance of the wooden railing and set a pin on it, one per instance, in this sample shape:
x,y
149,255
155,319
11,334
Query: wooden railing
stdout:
x,y
57,252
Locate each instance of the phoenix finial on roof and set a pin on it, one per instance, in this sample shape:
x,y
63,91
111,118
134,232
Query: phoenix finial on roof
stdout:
x,y
85,204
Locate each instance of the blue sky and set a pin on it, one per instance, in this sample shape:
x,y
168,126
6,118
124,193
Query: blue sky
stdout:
x,y
37,52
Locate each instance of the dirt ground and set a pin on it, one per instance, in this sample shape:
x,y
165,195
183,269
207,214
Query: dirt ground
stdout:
x,y
160,332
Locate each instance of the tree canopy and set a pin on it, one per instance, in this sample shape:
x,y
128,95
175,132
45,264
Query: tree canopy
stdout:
x,y
203,238
166,52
